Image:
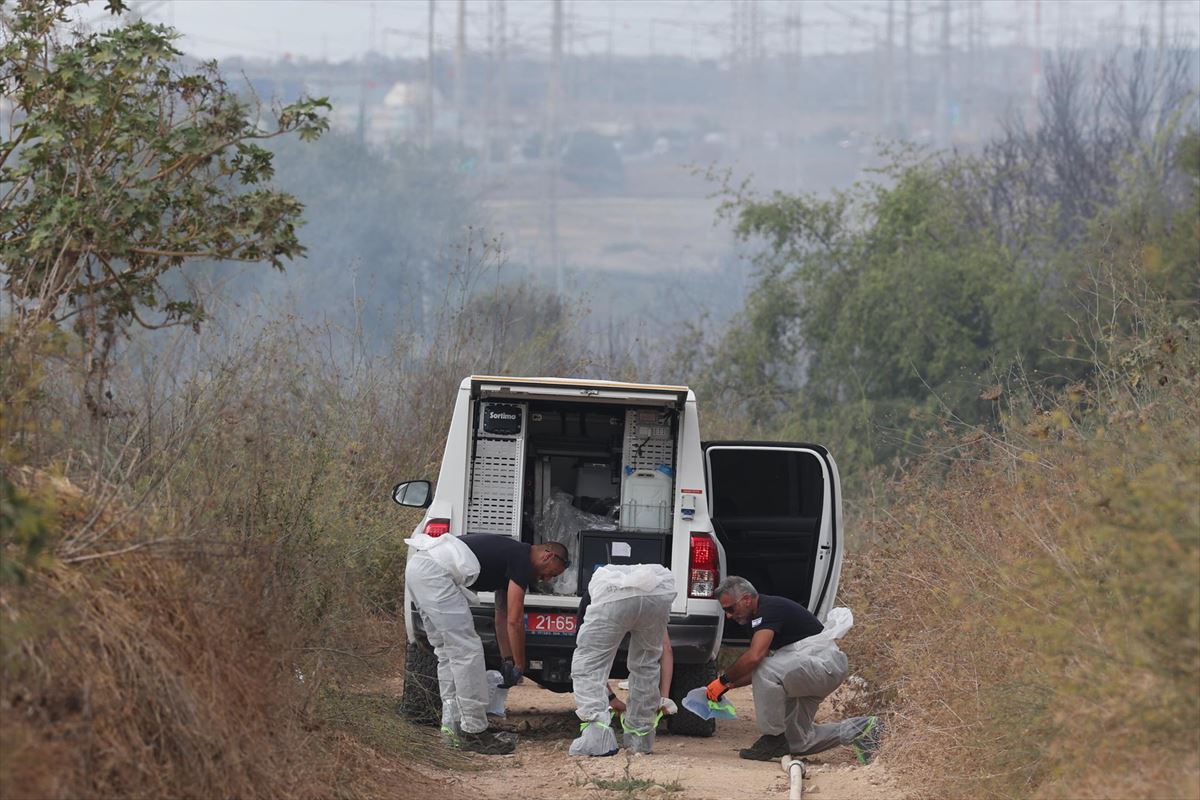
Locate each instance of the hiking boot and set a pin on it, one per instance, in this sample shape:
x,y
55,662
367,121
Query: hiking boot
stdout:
x,y
489,743
767,748
866,743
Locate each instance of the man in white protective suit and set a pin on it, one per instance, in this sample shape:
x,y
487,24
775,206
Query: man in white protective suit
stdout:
x,y
442,575
793,662
632,599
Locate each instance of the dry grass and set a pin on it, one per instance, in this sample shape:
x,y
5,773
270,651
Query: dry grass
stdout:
x,y
137,676
1030,604
198,591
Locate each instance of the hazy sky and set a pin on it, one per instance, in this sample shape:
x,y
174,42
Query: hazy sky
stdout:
x,y
345,29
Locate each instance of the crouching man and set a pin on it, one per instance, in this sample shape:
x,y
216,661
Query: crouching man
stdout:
x,y
441,574
632,599
792,668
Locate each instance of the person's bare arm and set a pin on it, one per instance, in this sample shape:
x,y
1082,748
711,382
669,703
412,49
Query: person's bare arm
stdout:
x,y
502,625
667,666
742,671
515,624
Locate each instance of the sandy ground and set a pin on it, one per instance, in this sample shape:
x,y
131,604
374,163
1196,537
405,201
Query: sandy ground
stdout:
x,y
681,768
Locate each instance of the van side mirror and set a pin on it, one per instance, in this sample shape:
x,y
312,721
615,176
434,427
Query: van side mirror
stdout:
x,y
414,494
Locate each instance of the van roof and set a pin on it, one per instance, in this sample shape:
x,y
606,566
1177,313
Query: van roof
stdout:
x,y
650,392
651,387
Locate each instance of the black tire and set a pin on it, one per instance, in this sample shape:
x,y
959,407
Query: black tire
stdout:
x,y
421,701
686,678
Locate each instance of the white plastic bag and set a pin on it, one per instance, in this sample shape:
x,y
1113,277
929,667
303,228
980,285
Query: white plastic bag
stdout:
x,y
837,624
449,551
497,694
561,522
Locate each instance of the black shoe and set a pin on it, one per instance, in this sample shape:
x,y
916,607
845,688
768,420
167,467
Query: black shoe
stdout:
x,y
489,743
767,748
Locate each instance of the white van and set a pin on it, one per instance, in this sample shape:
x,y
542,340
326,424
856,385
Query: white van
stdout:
x,y
618,474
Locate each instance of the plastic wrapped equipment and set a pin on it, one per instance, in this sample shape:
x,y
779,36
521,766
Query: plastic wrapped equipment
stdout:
x,y
561,522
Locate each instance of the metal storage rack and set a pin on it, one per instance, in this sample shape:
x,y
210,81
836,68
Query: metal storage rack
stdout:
x,y
648,441
648,444
494,504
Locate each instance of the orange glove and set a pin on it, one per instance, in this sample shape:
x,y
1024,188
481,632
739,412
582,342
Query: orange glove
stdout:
x,y
717,688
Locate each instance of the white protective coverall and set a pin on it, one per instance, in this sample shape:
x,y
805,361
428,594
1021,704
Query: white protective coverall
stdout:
x,y
632,599
791,682
439,570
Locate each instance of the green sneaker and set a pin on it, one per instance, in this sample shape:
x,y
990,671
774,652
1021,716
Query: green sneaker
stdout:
x,y
867,743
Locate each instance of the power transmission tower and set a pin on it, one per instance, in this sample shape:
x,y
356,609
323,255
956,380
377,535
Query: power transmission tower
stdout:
x,y
942,125
460,71
429,121
502,81
906,86
489,90
888,81
1162,26
1036,85
612,85
556,43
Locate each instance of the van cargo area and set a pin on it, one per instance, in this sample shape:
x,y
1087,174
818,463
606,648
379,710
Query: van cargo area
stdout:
x,y
575,473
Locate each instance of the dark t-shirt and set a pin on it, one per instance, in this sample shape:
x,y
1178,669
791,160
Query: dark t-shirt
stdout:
x,y
790,620
501,559
584,601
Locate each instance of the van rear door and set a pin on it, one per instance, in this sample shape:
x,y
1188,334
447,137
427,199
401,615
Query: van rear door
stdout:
x,y
776,508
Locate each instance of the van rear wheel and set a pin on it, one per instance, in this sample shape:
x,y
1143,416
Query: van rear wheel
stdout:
x,y
421,701
686,678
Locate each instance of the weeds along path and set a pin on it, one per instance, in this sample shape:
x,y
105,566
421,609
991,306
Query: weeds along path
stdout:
x,y
681,768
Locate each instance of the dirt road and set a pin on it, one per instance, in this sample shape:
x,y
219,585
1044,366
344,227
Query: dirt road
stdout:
x,y
681,768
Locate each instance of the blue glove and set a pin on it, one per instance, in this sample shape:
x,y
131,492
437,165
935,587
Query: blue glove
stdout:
x,y
511,673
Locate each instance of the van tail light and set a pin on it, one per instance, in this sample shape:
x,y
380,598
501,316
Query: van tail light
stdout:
x,y
436,527
703,566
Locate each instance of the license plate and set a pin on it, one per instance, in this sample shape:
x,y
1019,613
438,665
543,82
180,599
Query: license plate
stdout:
x,y
551,623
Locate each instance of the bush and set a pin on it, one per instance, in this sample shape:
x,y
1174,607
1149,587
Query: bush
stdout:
x,y
1029,603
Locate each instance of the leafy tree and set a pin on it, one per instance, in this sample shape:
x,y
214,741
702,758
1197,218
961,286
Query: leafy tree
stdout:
x,y
121,164
906,295
874,302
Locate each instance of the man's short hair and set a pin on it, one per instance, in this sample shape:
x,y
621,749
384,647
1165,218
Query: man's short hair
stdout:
x,y
558,548
736,587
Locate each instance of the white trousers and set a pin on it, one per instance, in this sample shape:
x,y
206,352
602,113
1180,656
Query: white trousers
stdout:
x,y
790,684
462,680
644,618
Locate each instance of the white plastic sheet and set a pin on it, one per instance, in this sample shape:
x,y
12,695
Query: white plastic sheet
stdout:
x,y
561,522
449,551
613,582
837,624
497,694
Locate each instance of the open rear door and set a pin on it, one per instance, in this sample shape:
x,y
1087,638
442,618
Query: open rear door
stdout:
x,y
776,507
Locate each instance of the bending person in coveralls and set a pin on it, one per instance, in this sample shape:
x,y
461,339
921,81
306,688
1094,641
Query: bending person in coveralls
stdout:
x,y
793,664
632,599
440,575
